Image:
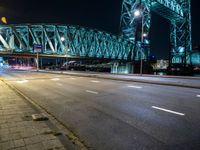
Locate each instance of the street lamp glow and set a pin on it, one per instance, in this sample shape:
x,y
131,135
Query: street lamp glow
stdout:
x,y
144,34
62,39
137,13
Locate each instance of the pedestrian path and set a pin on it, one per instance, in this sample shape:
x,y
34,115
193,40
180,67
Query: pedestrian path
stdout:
x,y
18,130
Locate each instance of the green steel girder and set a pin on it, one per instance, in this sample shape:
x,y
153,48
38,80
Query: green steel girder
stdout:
x,y
78,41
178,12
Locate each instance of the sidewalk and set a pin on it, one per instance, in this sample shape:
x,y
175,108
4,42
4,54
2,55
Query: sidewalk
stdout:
x,y
188,82
18,130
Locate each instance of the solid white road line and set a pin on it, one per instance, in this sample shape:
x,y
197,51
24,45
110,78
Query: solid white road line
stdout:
x,y
198,96
93,92
94,81
167,110
136,87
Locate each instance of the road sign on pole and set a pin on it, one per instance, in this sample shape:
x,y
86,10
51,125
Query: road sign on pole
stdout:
x,y
37,48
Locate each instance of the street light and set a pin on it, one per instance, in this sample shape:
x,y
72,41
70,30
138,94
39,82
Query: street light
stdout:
x,y
139,13
63,40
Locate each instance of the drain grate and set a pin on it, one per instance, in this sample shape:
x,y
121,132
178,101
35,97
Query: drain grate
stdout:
x,y
39,117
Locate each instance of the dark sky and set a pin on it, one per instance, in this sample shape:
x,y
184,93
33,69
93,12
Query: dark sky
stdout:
x,y
99,14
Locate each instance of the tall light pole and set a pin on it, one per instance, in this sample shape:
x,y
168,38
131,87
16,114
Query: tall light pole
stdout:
x,y
139,13
63,40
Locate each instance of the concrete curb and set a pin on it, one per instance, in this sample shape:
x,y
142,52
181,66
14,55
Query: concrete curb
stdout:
x,y
123,79
70,135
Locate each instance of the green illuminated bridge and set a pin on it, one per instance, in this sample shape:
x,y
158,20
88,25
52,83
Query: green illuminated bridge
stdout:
x,y
75,41
61,40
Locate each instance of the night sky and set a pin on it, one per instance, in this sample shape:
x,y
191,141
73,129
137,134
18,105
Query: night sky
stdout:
x,y
99,14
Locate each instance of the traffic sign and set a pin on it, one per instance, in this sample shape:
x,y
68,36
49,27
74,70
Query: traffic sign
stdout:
x,y
37,48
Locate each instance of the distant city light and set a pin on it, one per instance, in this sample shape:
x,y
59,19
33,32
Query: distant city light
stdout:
x,y
4,20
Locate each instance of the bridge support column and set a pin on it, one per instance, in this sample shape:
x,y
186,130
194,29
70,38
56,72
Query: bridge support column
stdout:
x,y
180,36
122,68
136,26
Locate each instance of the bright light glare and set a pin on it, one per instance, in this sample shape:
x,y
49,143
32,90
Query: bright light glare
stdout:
x,y
62,39
137,13
144,35
198,96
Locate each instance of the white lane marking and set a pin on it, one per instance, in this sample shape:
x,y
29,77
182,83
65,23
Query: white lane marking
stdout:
x,y
167,110
94,81
136,87
198,96
72,78
59,84
22,81
93,92
55,79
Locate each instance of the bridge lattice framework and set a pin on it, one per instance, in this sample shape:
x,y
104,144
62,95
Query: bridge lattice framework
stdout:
x,y
63,40
84,42
178,12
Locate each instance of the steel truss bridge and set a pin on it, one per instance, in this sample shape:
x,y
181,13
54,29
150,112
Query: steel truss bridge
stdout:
x,y
178,12
75,41
61,40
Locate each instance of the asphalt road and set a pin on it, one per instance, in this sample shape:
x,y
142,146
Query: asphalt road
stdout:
x,y
117,115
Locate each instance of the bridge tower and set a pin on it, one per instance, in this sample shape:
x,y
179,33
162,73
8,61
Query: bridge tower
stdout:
x,y
178,12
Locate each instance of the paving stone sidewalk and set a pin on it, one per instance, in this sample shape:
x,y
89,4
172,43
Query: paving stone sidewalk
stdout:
x,y
18,131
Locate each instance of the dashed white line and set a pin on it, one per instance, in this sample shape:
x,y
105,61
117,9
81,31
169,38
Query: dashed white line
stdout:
x,y
59,84
95,81
136,87
167,110
55,79
93,92
22,81
73,78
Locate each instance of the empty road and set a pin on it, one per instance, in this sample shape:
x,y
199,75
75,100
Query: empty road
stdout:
x,y
116,115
